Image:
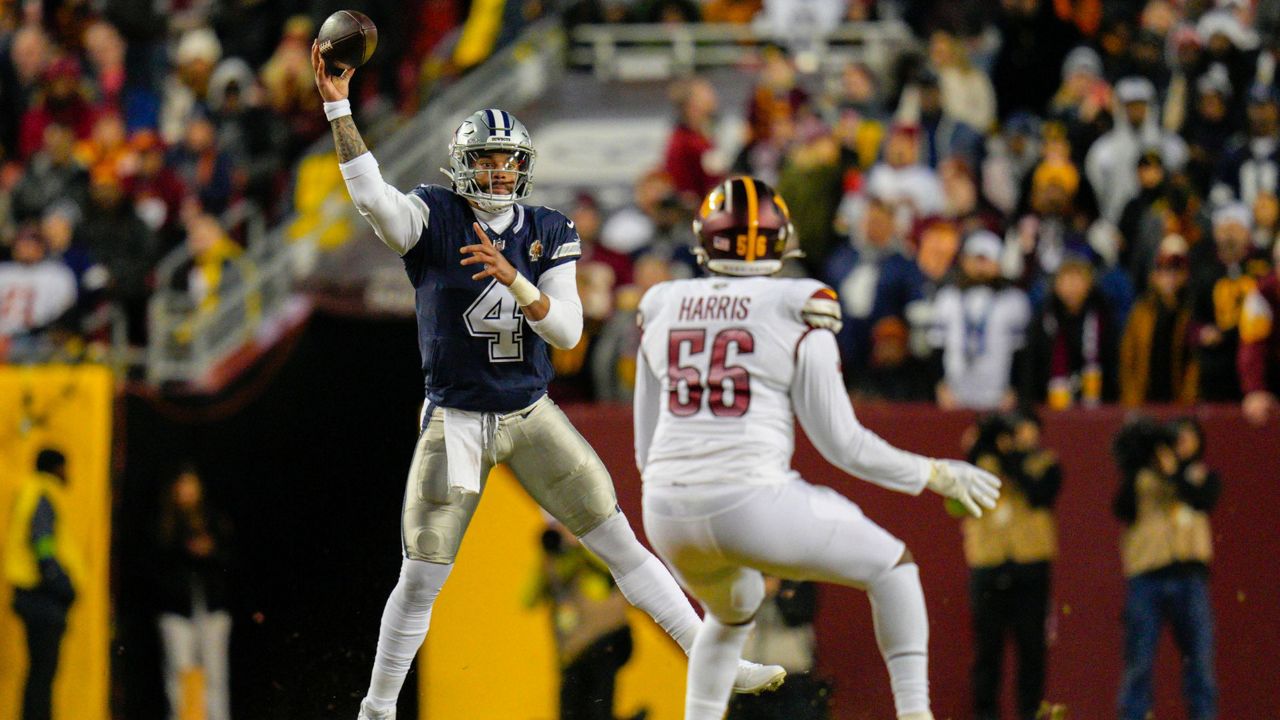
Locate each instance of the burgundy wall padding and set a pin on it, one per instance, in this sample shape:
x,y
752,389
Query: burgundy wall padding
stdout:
x,y
1088,595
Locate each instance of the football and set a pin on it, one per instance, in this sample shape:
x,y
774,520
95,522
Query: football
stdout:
x,y
347,40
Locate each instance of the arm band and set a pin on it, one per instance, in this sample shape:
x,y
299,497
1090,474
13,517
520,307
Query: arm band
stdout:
x,y
337,108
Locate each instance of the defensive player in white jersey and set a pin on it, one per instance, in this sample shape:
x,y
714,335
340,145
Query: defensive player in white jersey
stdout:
x,y
724,364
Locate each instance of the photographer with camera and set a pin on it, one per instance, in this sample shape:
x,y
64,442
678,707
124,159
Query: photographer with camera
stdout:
x,y
1010,551
1165,495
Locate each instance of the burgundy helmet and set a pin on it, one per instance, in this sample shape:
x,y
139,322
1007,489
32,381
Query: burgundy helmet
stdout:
x,y
743,228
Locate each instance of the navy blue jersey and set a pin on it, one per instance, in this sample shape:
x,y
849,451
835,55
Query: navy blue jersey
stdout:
x,y
477,351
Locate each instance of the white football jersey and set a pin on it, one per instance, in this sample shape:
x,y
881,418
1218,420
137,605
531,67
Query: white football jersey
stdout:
x,y
32,296
723,350
979,330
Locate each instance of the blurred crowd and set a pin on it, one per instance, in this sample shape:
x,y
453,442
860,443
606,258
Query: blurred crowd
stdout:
x,y
1061,202
130,129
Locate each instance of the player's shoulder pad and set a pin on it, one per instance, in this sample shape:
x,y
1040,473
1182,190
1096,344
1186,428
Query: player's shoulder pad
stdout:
x,y
820,307
558,228
436,195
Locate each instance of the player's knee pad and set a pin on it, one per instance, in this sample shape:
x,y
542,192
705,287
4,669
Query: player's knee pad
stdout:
x,y
431,545
614,542
734,602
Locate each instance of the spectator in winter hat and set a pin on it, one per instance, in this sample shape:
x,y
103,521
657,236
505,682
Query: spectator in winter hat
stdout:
x,y
1010,158
1111,163
902,180
979,325
1157,364
1220,284
1083,100
1071,346
186,88
61,101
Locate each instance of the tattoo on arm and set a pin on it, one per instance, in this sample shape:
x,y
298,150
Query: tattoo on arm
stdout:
x,y
347,139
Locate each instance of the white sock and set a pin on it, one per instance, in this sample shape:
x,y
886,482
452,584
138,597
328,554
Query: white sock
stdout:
x,y
902,632
644,580
712,667
404,626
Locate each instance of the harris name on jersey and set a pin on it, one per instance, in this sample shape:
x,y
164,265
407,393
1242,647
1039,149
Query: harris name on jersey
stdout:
x,y
713,307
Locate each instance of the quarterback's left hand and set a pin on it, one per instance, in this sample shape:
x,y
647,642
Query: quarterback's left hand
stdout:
x,y
973,487
495,265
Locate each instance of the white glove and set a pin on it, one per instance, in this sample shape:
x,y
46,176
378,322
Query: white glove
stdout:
x,y
972,486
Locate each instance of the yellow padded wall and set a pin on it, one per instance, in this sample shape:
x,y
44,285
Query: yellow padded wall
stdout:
x,y
69,408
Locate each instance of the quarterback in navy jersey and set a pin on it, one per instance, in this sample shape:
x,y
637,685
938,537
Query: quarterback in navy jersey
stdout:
x,y
476,352
495,283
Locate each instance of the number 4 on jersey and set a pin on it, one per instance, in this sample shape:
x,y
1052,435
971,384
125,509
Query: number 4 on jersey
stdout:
x,y
722,380
496,316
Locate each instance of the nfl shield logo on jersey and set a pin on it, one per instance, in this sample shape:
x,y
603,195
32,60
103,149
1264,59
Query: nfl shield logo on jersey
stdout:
x,y
535,251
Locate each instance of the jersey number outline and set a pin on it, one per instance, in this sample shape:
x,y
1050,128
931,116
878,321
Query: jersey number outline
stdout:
x,y
684,344
496,315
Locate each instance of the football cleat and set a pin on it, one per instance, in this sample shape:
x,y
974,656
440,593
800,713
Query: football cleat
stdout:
x,y
368,712
754,678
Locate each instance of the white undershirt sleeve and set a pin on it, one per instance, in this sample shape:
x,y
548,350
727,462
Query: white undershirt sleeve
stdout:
x,y
822,404
562,325
646,403
398,218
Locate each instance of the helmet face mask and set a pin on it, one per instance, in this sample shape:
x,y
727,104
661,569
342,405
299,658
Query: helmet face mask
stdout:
x,y
743,229
491,148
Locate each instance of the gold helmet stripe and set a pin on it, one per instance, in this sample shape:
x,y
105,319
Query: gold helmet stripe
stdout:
x,y
753,217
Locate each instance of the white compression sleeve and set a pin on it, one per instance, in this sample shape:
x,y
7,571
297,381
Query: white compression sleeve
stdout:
x,y
643,579
821,402
396,217
405,620
645,406
712,667
562,325
902,632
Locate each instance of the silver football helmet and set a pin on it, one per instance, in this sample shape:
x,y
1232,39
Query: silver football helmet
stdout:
x,y
479,136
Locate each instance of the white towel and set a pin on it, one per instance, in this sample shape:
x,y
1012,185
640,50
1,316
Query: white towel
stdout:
x,y
464,441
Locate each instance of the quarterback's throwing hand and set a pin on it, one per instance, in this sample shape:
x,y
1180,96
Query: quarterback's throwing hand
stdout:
x,y
973,487
331,87
495,265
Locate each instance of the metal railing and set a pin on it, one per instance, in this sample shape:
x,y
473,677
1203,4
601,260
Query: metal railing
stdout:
x,y
519,73
186,342
657,51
